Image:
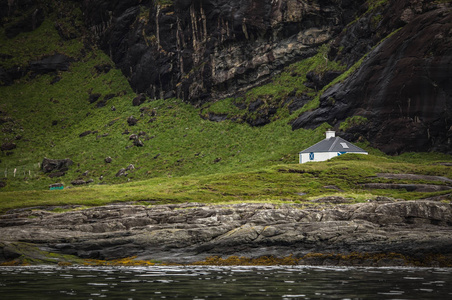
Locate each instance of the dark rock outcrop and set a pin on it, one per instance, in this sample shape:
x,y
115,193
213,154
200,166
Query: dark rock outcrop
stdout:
x,y
138,100
132,121
53,63
404,85
8,146
199,50
27,22
189,232
94,97
49,165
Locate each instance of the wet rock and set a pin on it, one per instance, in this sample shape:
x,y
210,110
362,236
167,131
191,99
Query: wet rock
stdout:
x,y
193,231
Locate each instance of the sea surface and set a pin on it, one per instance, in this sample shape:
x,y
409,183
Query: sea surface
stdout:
x,y
211,282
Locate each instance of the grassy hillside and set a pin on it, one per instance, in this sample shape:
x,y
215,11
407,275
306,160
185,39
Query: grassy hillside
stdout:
x,y
184,157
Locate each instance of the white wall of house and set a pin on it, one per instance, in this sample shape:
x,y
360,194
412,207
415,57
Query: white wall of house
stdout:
x,y
319,156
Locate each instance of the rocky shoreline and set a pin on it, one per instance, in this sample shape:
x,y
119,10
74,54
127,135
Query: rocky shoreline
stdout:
x,y
377,233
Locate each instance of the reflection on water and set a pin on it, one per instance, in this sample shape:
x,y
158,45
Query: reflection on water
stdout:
x,y
224,282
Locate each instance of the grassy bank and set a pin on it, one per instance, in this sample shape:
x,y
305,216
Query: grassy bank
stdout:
x,y
284,183
183,157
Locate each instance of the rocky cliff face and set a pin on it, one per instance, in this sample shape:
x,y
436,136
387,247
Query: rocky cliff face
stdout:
x,y
205,49
403,86
398,54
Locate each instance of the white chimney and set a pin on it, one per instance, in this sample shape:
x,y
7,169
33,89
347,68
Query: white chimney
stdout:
x,y
330,134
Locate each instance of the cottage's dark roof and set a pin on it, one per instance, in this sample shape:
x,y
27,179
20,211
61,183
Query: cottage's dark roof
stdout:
x,y
333,144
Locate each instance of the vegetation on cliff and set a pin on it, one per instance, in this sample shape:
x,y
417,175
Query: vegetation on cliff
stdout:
x,y
84,111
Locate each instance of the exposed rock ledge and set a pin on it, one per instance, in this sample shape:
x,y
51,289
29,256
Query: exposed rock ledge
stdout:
x,y
191,232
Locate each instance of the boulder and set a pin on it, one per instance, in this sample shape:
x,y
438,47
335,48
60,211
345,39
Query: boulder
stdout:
x,y
132,121
121,172
85,133
53,63
93,97
138,143
138,100
49,165
78,182
8,146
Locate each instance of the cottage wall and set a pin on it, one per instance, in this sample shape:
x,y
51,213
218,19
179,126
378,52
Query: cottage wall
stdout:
x,y
320,156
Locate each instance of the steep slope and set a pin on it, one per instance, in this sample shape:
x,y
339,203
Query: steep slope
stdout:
x,y
203,51
282,63
403,86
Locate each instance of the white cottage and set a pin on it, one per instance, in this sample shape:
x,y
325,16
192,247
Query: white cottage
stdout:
x,y
330,147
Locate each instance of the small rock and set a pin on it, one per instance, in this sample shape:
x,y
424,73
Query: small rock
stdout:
x,y
104,68
78,182
57,174
121,172
8,146
138,143
85,133
93,97
133,137
132,121
138,100
108,159
130,167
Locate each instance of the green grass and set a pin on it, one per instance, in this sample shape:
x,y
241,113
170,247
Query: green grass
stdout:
x,y
184,158
283,183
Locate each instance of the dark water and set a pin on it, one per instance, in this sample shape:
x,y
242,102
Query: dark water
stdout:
x,y
224,283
